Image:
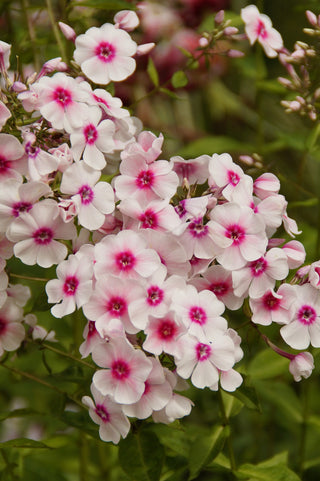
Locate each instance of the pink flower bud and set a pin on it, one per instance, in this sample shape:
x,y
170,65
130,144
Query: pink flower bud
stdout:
x,y
18,87
295,253
246,159
285,82
127,20
301,366
235,53
145,48
68,31
219,17
203,42
311,17
228,31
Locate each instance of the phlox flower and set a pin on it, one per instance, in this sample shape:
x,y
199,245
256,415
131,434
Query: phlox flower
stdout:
x,y
113,424
304,327
35,232
147,147
125,371
93,139
314,274
105,54
192,208
40,162
91,338
112,106
73,286
198,241
266,185
272,306
301,366
290,225
225,174
258,27
5,114
19,293
12,160
5,50
12,331
295,252
126,19
64,156
92,199
193,170
163,334
271,209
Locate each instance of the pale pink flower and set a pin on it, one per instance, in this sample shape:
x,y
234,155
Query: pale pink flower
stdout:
x,y
290,225
12,331
125,371
92,337
64,156
163,334
147,147
67,31
271,210
295,252
225,174
265,185
301,366
12,160
126,19
113,424
92,199
5,114
272,307
112,106
194,170
105,54
35,232
5,50
19,293
198,241
40,162
258,27
192,208
314,274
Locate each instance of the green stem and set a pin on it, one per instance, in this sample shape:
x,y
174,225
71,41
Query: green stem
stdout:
x,y
65,354
83,457
303,437
226,422
28,278
32,34
56,31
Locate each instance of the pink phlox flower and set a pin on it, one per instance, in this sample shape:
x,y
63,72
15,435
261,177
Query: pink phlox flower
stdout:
x,y
272,307
301,366
67,210
147,147
112,106
158,215
3,282
64,155
260,275
19,293
126,19
156,396
91,338
202,358
103,410
145,182
5,114
194,170
219,281
111,299
145,48
304,327
271,209
258,27
91,198
6,247
127,128
30,98
53,65
295,252
200,312
40,162
12,158
198,266
105,54
125,371
163,334
82,239
225,174
113,223
5,50
12,331
62,101
266,185
35,232
290,225
73,285
17,198
194,207
126,256
240,233
314,274
93,139
197,239
67,31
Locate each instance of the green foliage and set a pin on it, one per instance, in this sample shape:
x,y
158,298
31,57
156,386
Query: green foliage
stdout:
x,y
179,79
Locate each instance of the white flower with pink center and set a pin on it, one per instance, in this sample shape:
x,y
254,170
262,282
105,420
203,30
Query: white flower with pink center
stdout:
x,y
163,335
73,286
5,50
240,233
193,170
12,331
91,198
219,281
5,114
266,185
145,182
105,54
260,275
295,252
156,394
200,312
112,106
64,156
202,359
304,327
40,162
17,198
197,239
92,337
110,300
62,101
146,147
259,28
12,159
301,366
125,371
314,274
194,207
225,174
93,139
271,209
125,255
113,424
35,235
272,307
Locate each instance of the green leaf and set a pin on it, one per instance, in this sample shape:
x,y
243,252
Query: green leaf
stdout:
x,y
141,456
179,79
232,405
248,396
104,5
18,413
267,364
284,398
214,145
152,72
279,472
23,443
205,448
172,437
171,94
80,421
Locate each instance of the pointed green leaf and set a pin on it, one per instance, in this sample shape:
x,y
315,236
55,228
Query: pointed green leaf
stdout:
x,y
179,79
279,472
152,72
267,364
23,443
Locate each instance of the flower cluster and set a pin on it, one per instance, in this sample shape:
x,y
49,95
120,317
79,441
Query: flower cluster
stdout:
x,y
157,256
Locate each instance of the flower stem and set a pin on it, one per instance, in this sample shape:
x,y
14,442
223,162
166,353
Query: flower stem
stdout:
x,y
226,422
28,278
56,30
32,33
65,354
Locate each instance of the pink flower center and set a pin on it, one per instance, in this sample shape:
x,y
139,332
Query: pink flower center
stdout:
x,y
306,315
236,233
31,150
70,285
3,326
148,220
184,169
20,207
43,236
62,96
219,288
116,306
180,209
120,369
197,228
86,194
203,351
233,178
258,267
270,302
125,261
155,296
102,413
197,315
90,134
261,30
166,330
91,328
101,101
105,52
4,165
145,179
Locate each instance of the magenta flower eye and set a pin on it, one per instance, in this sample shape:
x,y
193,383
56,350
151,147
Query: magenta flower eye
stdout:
x,y
306,315
167,329
70,285
120,369
155,295
125,261
197,315
236,233
86,194
103,414
105,51
43,236
62,96
145,179
203,351
21,207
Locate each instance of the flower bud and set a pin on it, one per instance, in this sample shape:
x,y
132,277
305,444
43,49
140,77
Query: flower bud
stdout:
x,y
203,42
219,17
232,53
301,366
127,20
145,48
68,31
311,17
229,31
